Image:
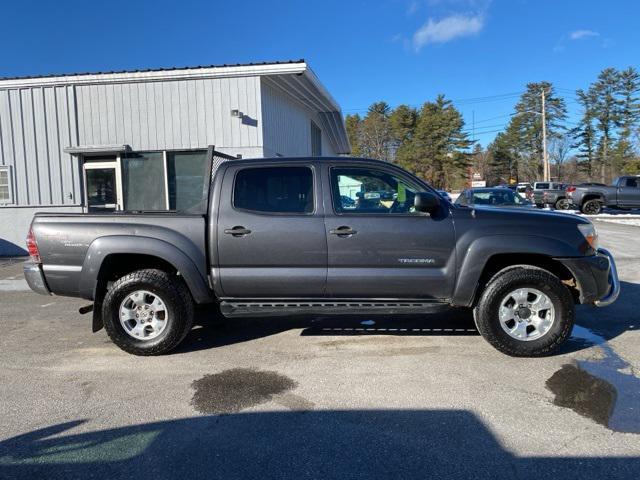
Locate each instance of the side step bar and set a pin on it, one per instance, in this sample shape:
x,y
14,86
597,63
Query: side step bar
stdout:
x,y
274,308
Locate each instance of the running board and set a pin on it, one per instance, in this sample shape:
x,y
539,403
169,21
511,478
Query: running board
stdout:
x,y
261,308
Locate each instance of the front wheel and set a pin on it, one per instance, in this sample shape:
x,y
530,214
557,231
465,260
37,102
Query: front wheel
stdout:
x,y
525,312
562,204
148,312
592,207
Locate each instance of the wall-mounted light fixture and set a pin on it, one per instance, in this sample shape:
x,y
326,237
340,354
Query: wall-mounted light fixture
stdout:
x,y
236,113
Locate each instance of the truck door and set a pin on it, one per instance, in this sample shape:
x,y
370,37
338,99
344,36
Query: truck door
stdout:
x,y
629,192
378,245
270,232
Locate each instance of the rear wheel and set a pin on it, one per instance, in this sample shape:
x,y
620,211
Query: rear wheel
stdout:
x,y
525,312
592,207
148,312
562,204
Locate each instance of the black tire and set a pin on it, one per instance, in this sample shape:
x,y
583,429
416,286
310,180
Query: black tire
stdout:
x,y
508,280
592,207
562,204
175,296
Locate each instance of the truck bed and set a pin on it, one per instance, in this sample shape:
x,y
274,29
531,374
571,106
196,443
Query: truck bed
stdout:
x,y
65,241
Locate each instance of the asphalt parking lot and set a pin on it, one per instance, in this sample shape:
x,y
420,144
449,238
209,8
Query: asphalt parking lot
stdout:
x,y
403,397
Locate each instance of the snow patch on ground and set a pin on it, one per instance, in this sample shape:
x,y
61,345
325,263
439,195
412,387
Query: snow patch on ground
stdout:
x,y
624,221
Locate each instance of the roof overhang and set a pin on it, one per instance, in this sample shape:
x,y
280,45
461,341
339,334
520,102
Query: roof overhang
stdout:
x,y
307,90
97,149
157,75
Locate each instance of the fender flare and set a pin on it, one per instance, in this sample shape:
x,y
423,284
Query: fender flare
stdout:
x,y
102,247
593,196
480,251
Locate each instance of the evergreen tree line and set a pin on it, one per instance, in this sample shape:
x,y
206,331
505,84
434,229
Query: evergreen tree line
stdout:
x,y
433,143
430,142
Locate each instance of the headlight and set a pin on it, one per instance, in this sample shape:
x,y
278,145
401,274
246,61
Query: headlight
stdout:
x,y
590,234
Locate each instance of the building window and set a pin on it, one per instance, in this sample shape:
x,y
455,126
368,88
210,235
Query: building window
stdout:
x,y
316,140
274,190
6,193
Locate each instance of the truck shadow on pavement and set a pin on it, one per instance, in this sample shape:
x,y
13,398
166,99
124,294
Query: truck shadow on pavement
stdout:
x,y
367,444
211,331
210,334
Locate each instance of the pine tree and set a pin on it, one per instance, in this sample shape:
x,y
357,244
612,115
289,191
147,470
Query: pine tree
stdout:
x,y
607,115
629,118
375,132
353,123
503,159
585,135
436,150
528,121
403,124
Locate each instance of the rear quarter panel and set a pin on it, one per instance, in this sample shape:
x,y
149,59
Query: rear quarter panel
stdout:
x,y
64,240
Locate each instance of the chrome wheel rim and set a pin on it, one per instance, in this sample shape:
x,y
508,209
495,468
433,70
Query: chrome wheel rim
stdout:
x,y
526,314
562,205
143,315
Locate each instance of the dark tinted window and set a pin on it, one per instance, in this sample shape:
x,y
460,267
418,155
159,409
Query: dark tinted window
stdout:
x,y
632,182
143,181
186,172
277,190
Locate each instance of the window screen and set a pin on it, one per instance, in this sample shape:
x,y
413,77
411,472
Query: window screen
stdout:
x,y
143,181
5,185
276,190
187,172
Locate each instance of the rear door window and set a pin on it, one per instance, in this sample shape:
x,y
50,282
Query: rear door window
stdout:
x,y
278,190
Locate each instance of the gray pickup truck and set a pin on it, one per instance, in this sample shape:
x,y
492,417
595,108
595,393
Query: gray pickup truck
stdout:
x,y
550,194
590,199
320,236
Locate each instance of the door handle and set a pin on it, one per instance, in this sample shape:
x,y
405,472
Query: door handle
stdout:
x,y
342,231
237,231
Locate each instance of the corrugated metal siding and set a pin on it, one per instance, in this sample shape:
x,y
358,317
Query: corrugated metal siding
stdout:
x,y
171,114
287,125
35,126
37,123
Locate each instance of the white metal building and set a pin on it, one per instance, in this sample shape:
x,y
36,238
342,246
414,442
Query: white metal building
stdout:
x,y
79,142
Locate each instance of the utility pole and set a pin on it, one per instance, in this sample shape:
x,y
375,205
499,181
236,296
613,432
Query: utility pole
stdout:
x,y
545,159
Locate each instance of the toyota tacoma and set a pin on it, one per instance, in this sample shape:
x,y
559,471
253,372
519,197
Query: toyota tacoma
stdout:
x,y
282,236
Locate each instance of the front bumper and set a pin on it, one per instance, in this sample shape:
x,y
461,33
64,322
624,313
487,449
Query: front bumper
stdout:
x,y
596,277
613,281
34,276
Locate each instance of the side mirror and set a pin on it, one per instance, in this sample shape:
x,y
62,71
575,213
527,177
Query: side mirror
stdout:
x,y
426,202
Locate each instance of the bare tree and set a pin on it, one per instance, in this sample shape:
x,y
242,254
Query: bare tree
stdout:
x,y
559,149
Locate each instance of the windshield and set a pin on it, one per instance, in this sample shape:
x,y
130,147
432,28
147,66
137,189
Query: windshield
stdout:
x,y
497,197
